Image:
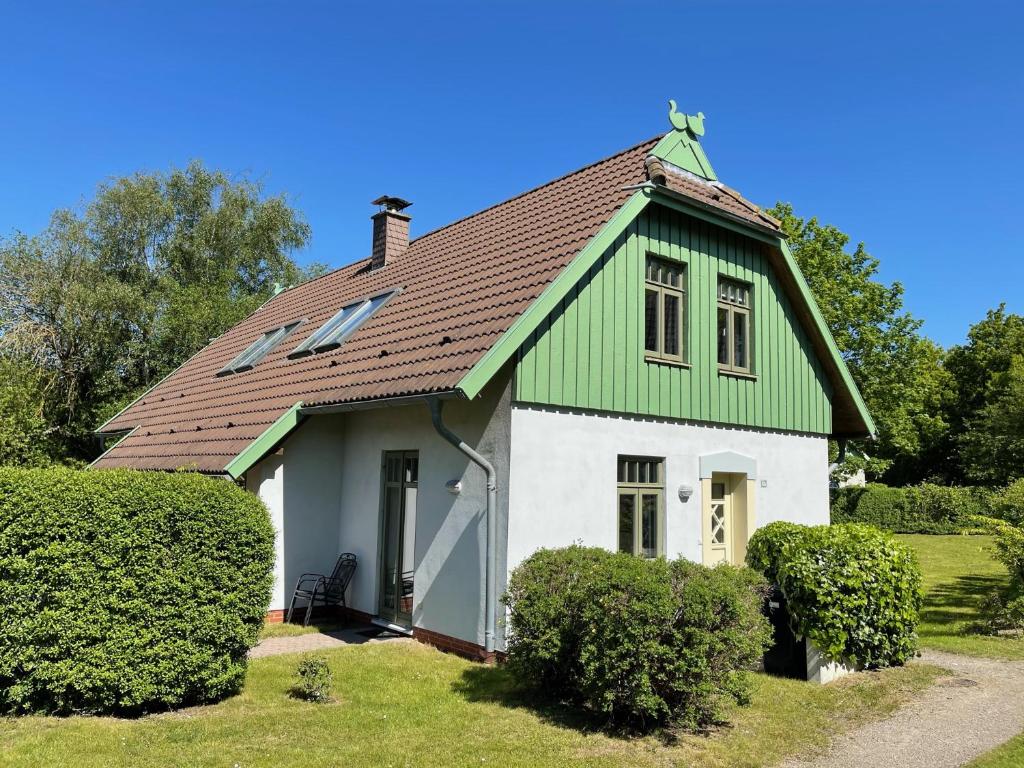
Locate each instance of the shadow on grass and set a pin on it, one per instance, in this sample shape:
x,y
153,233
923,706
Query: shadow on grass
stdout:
x,y
495,685
958,601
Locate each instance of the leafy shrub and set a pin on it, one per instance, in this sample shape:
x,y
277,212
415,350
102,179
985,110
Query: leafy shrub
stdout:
x,y
313,679
853,590
127,592
764,550
1008,504
922,508
1003,608
640,643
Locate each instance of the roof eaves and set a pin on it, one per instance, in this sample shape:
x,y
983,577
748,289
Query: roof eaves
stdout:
x,y
262,445
846,377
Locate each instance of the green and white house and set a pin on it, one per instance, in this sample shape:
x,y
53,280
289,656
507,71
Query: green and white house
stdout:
x,y
626,357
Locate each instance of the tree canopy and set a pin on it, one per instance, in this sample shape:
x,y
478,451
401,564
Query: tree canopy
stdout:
x,y
898,371
110,298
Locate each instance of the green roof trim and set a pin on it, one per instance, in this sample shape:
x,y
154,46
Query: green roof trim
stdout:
x,y
823,329
488,365
259,447
681,146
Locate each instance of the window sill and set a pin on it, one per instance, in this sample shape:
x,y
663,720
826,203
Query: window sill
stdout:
x,y
663,361
737,374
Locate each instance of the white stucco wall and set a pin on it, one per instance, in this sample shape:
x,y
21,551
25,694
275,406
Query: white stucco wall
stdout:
x,y
562,484
324,492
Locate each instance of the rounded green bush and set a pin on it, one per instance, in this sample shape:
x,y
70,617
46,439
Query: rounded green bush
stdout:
x,y
640,643
854,591
126,592
764,550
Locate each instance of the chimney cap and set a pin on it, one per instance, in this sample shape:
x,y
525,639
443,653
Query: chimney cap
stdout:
x,y
388,203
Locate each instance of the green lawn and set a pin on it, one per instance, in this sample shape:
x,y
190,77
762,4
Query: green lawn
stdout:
x,y
959,571
1010,755
404,704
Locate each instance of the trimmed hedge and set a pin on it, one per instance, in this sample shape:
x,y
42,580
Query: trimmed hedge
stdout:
x,y
126,592
915,509
853,590
640,643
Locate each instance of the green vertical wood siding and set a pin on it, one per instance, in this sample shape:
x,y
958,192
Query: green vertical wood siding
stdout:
x,y
589,352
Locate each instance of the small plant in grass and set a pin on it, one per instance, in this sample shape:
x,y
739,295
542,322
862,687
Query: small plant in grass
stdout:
x,y
313,679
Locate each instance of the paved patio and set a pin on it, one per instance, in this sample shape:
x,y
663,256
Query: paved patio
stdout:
x,y
318,641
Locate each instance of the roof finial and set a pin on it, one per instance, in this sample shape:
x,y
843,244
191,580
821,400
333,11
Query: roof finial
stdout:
x,y
681,122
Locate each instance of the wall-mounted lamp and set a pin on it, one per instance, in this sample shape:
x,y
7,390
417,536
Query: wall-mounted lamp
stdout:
x,y
454,487
685,492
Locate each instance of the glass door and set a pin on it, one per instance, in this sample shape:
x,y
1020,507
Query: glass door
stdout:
x,y
398,550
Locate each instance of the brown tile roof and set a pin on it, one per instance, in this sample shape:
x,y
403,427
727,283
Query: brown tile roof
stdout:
x,y
711,194
462,287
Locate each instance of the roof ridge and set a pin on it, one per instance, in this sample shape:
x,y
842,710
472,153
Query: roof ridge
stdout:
x,y
555,180
469,216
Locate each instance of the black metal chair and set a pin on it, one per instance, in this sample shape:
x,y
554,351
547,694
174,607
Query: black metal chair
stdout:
x,y
328,590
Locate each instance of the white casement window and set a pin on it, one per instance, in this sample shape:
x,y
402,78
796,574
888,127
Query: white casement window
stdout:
x,y
334,332
259,349
641,492
734,326
665,310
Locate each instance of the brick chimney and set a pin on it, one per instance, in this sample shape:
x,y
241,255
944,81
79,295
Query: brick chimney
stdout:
x,y
390,231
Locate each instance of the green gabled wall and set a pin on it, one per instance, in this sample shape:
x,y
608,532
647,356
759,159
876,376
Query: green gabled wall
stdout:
x,y
588,352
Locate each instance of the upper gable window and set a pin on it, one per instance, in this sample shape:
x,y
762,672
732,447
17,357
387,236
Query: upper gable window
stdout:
x,y
665,310
734,326
332,333
259,349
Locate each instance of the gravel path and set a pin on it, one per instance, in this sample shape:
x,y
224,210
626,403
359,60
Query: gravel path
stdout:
x,y
318,641
976,708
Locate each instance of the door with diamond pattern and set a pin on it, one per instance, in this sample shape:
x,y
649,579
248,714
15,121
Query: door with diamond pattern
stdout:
x,y
719,524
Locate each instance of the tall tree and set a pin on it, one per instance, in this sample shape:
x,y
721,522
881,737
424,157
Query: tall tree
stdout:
x,y
987,422
107,300
898,371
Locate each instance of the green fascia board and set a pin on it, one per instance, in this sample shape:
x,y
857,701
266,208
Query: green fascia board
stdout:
x,y
259,447
823,329
683,151
669,200
489,365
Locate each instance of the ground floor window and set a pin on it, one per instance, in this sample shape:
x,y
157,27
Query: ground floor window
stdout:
x,y
641,490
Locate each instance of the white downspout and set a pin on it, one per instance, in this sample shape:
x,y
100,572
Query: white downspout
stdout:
x,y
490,586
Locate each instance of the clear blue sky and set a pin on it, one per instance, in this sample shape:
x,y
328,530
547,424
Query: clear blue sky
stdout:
x,y
901,126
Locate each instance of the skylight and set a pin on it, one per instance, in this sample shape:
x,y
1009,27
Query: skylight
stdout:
x,y
341,326
258,349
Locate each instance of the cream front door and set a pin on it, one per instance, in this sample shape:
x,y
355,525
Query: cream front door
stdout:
x,y
718,523
728,517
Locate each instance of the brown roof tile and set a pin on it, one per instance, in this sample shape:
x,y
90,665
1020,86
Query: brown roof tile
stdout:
x,y
467,281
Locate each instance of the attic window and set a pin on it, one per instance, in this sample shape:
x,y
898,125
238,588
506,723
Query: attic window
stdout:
x,y
334,332
259,349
